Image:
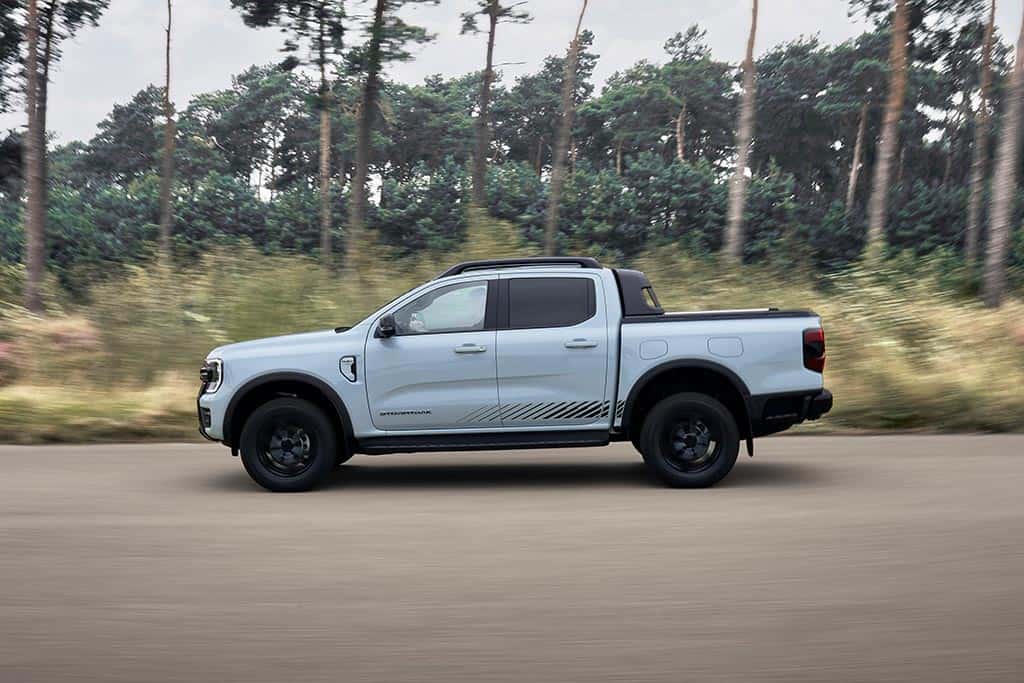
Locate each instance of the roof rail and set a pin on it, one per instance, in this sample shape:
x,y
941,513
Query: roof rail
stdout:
x,y
487,264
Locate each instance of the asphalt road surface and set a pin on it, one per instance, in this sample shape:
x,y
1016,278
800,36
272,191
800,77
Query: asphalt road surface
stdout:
x,y
822,559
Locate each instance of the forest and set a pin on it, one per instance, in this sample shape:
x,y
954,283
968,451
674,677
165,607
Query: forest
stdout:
x,y
648,165
832,175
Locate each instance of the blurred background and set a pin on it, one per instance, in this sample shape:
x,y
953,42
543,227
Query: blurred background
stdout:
x,y
174,176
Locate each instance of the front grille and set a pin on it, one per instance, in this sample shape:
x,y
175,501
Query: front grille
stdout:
x,y
205,417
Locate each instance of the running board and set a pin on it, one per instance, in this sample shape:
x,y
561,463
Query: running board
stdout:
x,y
482,442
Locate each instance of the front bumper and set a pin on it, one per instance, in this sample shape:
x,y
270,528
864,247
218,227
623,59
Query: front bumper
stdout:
x,y
205,414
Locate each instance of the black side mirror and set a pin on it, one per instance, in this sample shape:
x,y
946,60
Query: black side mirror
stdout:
x,y
386,327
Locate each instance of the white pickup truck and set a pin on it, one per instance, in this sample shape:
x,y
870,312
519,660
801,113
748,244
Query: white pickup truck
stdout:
x,y
518,353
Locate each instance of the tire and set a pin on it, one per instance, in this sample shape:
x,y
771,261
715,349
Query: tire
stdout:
x,y
690,440
288,444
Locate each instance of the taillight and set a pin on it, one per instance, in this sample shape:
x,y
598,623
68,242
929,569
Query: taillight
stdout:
x,y
814,349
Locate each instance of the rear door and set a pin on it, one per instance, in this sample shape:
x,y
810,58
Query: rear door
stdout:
x,y
552,351
439,371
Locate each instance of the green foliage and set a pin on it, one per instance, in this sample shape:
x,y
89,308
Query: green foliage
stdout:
x,y
770,215
428,124
526,117
515,193
633,112
91,232
220,209
387,40
58,21
10,38
928,218
319,24
680,203
834,241
496,11
127,145
600,216
12,238
233,131
293,222
427,213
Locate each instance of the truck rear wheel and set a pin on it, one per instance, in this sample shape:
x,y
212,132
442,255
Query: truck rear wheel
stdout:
x,y
690,440
288,444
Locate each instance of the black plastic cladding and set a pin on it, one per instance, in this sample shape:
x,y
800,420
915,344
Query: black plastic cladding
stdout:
x,y
632,284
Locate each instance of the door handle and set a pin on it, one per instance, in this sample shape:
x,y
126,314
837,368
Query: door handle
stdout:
x,y
580,344
470,348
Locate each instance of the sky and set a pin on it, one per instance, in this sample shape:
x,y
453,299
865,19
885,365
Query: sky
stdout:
x,y
110,63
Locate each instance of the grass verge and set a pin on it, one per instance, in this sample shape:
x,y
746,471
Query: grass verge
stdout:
x,y
907,350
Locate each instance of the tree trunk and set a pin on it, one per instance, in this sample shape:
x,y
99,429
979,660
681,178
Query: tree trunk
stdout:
x,y
325,188
979,160
371,88
681,133
34,182
1004,184
483,122
167,167
325,152
858,149
745,131
562,142
880,185
539,166
43,101
618,158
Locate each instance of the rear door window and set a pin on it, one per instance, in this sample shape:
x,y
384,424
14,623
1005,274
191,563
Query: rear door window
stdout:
x,y
550,302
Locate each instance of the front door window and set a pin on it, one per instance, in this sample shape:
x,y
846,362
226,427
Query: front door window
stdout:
x,y
456,308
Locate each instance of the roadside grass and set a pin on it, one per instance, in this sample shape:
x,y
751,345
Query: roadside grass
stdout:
x,y
907,350
164,411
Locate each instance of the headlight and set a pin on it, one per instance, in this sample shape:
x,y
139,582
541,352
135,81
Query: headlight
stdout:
x,y
212,374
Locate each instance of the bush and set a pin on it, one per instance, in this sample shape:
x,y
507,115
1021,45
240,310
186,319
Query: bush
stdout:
x,y
426,212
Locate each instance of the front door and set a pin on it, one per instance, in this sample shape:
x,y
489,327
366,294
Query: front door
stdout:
x,y
553,352
439,371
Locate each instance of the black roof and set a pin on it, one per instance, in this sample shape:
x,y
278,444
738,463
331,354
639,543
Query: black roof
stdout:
x,y
487,264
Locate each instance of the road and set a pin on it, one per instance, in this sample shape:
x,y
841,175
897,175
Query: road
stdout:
x,y
822,559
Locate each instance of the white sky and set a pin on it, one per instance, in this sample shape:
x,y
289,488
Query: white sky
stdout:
x,y
108,64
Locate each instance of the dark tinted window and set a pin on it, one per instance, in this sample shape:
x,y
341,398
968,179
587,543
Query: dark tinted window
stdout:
x,y
550,301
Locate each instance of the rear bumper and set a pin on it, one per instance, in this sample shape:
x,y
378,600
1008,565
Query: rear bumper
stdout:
x,y
771,413
819,404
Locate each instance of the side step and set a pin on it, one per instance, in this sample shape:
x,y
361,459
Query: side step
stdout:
x,y
482,442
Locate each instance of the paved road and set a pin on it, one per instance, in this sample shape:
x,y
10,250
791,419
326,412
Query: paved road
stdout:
x,y
822,559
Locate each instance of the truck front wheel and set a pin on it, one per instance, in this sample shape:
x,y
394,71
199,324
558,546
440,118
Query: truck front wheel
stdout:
x,y
689,440
288,444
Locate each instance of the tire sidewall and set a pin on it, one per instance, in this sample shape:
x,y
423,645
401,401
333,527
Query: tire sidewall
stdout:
x,y
309,417
661,418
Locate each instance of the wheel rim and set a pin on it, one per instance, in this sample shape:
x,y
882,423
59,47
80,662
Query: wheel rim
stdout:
x,y
287,449
692,443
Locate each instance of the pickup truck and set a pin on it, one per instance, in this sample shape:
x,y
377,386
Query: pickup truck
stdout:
x,y
518,353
